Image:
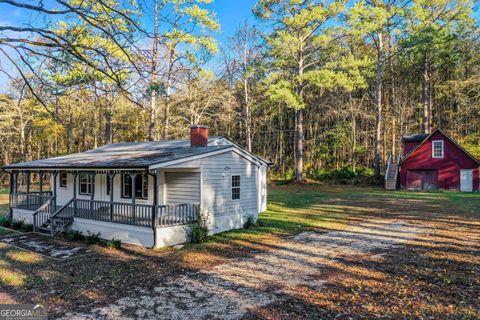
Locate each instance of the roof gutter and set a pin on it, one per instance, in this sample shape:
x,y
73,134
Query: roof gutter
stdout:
x,y
75,168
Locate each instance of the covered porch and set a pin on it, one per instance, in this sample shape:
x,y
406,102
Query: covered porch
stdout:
x,y
131,197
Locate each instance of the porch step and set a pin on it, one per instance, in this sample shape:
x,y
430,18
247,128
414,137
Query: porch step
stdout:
x,y
60,222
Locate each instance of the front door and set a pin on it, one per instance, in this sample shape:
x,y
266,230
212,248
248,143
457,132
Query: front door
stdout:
x,y
466,180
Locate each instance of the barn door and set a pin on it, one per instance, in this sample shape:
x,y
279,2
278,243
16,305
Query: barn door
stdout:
x,y
422,179
466,180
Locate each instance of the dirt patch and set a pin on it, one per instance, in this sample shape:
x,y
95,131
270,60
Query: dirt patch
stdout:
x,y
230,290
45,246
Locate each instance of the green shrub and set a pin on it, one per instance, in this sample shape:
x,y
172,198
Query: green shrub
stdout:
x,y
27,227
17,224
75,235
114,244
199,228
345,173
93,238
5,221
251,221
261,223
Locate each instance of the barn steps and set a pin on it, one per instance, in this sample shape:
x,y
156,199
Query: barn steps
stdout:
x,y
391,173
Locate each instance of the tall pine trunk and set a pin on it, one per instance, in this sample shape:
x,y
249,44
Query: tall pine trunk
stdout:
x,y
166,117
299,132
153,80
378,104
393,107
246,95
425,104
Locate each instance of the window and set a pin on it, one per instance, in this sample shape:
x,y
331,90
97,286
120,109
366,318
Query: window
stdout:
x,y
141,186
108,185
63,179
235,187
437,149
84,182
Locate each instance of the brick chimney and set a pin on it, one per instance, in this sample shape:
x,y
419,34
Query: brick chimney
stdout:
x,y
198,135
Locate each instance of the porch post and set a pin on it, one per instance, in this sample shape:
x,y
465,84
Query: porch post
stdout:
x,y
54,176
92,191
15,179
10,198
133,176
40,174
27,173
110,178
154,206
75,175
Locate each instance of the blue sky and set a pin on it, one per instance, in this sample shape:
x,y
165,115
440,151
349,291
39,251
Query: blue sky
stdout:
x,y
230,14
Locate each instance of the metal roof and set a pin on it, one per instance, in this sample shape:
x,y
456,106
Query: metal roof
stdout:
x,y
419,137
129,155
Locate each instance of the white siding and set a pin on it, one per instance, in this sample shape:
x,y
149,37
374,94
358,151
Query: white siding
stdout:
x,y
140,236
216,192
170,236
23,215
182,187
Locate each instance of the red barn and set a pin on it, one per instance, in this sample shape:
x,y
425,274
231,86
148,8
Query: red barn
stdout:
x,y
436,161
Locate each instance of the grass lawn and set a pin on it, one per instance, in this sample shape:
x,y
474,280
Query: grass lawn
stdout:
x,y
437,277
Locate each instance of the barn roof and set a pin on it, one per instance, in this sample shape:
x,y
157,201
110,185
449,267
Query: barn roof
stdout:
x,y
131,155
419,137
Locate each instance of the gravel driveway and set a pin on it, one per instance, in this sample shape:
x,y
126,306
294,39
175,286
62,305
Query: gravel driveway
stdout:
x,y
231,290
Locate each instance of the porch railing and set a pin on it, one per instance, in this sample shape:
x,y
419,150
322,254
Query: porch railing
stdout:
x,y
138,215
174,215
29,201
116,212
42,214
62,218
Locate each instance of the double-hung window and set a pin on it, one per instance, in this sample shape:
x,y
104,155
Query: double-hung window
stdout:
x,y
438,149
63,179
85,184
235,187
141,186
108,185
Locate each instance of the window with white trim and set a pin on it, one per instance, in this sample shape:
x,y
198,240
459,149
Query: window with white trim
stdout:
x,y
235,187
438,149
84,184
63,179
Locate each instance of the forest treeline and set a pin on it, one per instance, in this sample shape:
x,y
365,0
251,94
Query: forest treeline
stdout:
x,y
313,86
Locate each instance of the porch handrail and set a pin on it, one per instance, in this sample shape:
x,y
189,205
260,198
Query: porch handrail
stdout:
x,y
388,166
44,211
63,223
176,214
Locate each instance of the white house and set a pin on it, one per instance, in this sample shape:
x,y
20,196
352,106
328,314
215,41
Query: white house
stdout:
x,y
143,193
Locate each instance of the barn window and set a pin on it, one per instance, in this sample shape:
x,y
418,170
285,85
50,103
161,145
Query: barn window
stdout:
x,y
85,186
141,186
235,187
63,179
437,149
